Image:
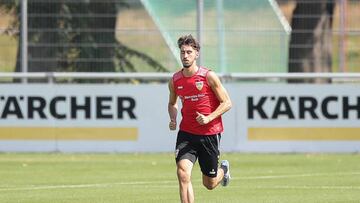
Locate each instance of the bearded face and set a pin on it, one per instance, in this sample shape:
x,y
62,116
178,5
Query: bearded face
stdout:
x,y
188,55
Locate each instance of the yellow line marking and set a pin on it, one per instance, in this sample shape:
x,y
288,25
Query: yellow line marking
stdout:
x,y
306,133
71,133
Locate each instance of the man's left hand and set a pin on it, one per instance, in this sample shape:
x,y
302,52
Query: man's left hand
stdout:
x,y
202,119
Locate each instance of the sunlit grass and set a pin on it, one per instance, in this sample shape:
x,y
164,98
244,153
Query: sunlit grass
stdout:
x,y
295,178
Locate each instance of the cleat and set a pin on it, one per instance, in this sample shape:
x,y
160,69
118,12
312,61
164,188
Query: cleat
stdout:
x,y
225,165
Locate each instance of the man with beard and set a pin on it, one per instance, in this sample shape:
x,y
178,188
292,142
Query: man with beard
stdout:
x,y
204,100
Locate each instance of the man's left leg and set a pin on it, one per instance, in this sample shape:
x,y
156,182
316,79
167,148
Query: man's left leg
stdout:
x,y
211,182
209,159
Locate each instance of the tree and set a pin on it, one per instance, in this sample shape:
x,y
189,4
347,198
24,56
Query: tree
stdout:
x,y
311,38
76,36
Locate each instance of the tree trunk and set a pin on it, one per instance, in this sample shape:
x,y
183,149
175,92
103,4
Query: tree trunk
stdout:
x,y
311,38
39,56
100,49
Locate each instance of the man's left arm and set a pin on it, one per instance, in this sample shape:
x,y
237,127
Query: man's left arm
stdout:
x,y
222,96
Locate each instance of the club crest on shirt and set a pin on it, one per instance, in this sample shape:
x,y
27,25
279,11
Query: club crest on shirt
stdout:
x,y
199,85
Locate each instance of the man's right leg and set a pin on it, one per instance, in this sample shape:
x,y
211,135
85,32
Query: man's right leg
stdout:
x,y
184,168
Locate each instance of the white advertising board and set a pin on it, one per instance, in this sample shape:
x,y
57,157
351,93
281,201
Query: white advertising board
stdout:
x,y
96,118
297,118
134,118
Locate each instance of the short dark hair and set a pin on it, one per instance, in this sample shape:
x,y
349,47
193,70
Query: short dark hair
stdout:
x,y
188,40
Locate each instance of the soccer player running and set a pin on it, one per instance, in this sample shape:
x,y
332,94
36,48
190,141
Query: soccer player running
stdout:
x,y
204,100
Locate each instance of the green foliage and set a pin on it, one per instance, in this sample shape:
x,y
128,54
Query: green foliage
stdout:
x,y
77,36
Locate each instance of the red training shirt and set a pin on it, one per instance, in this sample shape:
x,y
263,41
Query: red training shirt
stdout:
x,y
197,96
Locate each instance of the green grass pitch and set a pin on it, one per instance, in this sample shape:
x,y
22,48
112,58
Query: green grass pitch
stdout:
x,y
55,178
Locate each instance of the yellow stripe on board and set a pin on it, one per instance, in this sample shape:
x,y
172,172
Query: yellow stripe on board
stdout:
x,y
63,133
303,134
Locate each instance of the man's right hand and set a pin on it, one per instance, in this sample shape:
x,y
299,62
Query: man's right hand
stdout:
x,y
172,125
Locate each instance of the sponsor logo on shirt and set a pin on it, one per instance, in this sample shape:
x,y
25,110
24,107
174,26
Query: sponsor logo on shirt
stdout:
x,y
194,97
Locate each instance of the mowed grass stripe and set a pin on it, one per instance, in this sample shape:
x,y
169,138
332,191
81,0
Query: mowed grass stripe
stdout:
x,y
140,177
169,183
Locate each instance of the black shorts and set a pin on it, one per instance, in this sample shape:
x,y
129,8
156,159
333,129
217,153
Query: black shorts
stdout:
x,y
206,148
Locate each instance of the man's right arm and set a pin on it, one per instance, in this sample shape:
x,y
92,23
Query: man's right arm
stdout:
x,y
172,106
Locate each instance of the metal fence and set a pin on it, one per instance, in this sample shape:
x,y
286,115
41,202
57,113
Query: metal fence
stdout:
x,y
344,29
140,35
